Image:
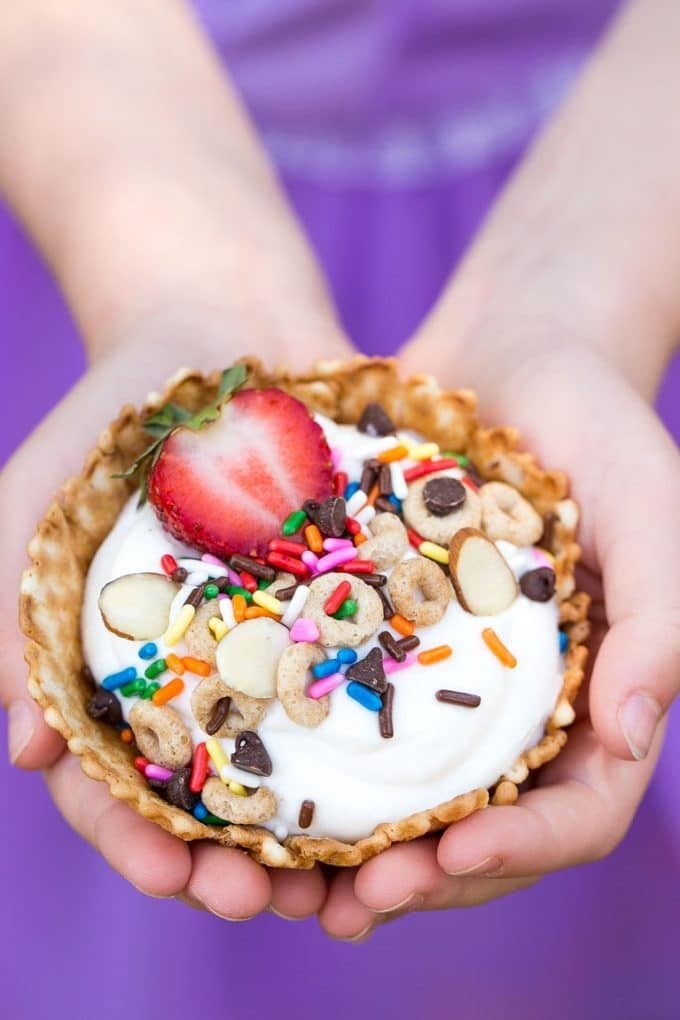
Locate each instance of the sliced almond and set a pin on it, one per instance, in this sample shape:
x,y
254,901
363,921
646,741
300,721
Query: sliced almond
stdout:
x,y
483,581
248,656
137,606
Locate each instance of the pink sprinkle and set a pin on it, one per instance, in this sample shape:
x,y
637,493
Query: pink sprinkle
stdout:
x,y
325,685
304,630
333,544
157,772
233,577
209,558
310,560
541,557
222,596
392,666
334,559
336,457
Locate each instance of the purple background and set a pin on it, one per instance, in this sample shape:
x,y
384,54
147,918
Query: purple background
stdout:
x,y
388,220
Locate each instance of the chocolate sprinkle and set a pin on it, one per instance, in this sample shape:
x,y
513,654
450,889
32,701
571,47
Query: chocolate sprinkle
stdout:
x,y
385,714
459,698
443,495
407,644
473,474
88,677
180,575
548,536
251,755
306,814
105,707
218,715
375,421
375,580
332,517
385,480
195,597
369,671
283,594
388,608
177,791
538,585
369,475
391,646
386,505
251,566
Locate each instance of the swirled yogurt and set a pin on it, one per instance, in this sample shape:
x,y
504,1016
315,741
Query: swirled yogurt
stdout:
x,y
356,778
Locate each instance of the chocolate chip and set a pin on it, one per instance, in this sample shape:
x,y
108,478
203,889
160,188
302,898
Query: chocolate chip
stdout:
x,y
548,536
218,716
391,646
539,584
386,505
251,755
177,791
459,698
311,507
332,517
306,814
385,714
251,566
443,495
369,475
105,707
180,575
369,671
407,644
375,421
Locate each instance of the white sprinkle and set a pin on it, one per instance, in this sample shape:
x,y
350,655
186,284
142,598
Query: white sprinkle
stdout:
x,y
196,567
227,612
295,606
366,515
179,600
356,502
399,484
230,774
199,577
281,832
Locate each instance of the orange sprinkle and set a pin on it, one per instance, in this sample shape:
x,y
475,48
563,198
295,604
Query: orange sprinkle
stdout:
x,y
239,605
431,655
168,691
360,538
126,736
175,664
314,538
402,625
373,495
253,612
395,453
494,643
198,666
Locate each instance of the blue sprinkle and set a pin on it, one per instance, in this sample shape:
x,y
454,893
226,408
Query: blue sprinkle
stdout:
x,y
564,642
115,680
326,668
200,811
148,650
346,656
369,699
396,503
351,489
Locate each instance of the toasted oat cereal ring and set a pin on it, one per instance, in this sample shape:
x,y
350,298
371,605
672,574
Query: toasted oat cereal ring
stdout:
x,y
419,591
199,639
353,630
245,713
160,735
440,529
507,515
254,809
291,681
389,542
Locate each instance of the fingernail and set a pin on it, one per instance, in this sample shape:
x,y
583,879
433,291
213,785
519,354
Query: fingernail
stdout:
x,y
20,728
361,936
638,718
486,868
284,917
397,906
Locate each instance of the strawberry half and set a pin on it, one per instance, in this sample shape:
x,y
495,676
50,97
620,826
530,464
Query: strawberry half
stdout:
x,y
228,487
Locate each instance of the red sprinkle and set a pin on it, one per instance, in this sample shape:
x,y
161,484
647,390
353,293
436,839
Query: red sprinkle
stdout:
x,y
340,481
169,564
358,567
281,545
466,480
414,538
141,763
336,598
248,581
428,467
352,526
199,768
287,563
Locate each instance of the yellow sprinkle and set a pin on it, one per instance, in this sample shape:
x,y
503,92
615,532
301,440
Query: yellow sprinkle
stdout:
x,y
217,755
434,552
260,598
177,628
236,788
425,451
218,627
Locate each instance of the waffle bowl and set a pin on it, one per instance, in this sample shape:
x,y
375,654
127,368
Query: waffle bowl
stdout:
x,y
87,507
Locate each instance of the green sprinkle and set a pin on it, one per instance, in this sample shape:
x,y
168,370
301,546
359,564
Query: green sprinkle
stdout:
x,y
293,522
460,457
262,584
149,691
214,820
347,609
233,589
155,669
211,591
135,687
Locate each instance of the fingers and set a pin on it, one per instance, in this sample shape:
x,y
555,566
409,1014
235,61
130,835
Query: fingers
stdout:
x,y
155,862
228,882
343,916
31,743
297,894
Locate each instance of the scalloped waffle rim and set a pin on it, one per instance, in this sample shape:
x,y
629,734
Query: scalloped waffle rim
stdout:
x,y
85,510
